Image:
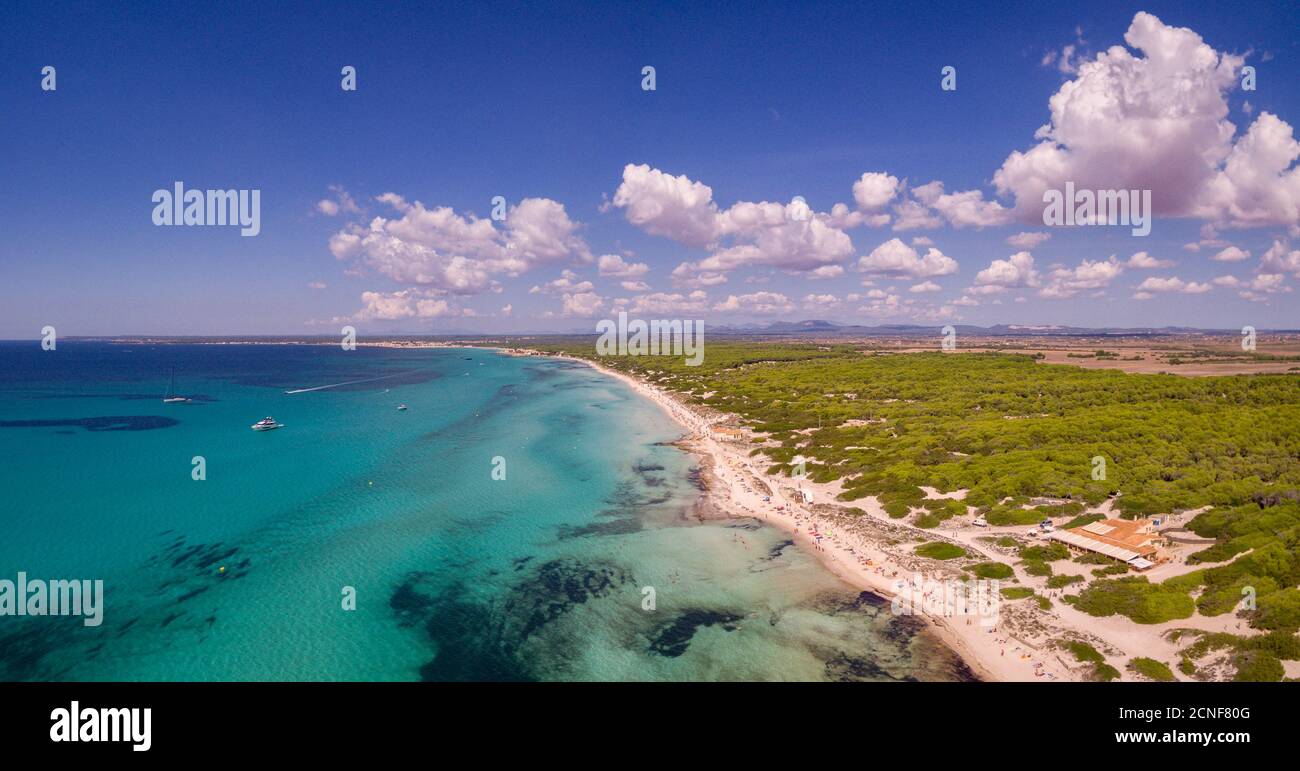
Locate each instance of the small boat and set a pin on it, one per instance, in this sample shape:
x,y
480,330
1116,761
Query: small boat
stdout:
x,y
170,397
266,424
401,408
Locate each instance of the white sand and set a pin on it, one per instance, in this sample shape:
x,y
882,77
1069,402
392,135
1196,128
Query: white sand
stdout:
x,y
738,490
1021,647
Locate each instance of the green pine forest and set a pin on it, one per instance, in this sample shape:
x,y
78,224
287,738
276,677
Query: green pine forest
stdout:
x,y
1010,429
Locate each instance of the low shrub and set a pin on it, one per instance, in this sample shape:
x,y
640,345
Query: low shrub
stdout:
x,y
1152,669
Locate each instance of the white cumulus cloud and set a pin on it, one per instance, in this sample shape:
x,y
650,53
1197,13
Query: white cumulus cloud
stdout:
x,y
895,258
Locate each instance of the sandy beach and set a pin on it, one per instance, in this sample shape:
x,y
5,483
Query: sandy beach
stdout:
x,y
875,552
737,487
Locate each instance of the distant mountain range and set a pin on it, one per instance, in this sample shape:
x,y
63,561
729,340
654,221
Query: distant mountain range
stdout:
x,y
821,328
814,328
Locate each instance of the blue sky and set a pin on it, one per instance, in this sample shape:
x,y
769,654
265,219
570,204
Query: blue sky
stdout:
x,y
457,104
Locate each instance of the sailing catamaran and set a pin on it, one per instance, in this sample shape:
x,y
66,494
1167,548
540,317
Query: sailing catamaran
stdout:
x,y
170,397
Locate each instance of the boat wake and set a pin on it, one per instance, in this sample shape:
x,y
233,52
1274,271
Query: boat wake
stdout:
x,y
348,383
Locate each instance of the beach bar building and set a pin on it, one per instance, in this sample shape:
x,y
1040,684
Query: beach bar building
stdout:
x,y
729,434
1134,542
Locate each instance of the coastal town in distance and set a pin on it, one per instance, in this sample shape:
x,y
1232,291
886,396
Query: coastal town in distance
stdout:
x,y
370,372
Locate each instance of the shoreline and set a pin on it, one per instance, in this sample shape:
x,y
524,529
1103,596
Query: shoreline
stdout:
x,y
871,551
726,493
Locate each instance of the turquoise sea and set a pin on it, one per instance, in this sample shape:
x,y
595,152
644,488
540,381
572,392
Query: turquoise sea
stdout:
x,y
457,576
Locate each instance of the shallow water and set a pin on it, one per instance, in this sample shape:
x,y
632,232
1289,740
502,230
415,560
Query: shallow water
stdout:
x,y
544,575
